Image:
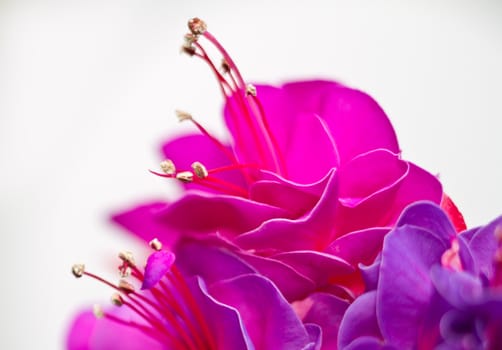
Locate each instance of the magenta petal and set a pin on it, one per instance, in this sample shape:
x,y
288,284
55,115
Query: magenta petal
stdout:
x,y
103,334
225,214
326,311
359,246
157,265
320,267
185,150
357,122
405,288
142,221
269,319
313,231
360,320
291,283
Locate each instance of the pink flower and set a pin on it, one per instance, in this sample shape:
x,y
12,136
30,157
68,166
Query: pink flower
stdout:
x,y
306,189
173,309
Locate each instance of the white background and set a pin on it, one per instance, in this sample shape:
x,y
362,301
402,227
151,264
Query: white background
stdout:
x,y
88,90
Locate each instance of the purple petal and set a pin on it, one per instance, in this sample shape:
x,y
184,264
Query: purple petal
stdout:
x,y
143,222
212,264
223,321
431,217
405,288
371,273
315,336
326,311
483,246
185,150
269,319
157,265
458,288
359,321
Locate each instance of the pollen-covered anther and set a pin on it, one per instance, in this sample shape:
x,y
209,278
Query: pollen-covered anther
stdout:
x,y
197,26
182,115
185,176
225,67
155,244
117,299
199,170
128,258
168,167
126,287
251,90
78,270
98,311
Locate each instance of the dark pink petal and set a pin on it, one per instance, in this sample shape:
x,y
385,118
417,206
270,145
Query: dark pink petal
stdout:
x,y
360,321
292,284
198,214
90,333
326,311
184,150
320,267
157,265
142,221
313,231
357,122
405,288
359,246
308,139
269,319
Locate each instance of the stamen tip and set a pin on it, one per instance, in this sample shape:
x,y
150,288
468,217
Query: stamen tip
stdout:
x,y
168,167
126,287
78,270
155,244
117,300
197,26
98,311
251,90
185,176
182,115
200,170
128,258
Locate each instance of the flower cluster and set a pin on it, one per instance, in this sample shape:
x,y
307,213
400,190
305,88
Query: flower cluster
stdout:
x,y
305,230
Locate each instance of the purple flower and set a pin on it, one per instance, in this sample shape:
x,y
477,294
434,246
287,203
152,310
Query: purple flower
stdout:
x,y
175,310
306,189
430,288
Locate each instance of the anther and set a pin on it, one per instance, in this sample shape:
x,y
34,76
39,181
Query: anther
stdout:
x,y
117,300
225,67
251,90
98,311
197,26
126,287
128,258
185,176
168,167
182,115
200,170
155,244
78,270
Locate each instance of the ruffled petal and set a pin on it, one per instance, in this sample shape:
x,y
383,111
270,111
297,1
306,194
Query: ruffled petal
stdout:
x,y
269,319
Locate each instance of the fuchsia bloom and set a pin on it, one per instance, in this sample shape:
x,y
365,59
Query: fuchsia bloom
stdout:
x,y
174,310
306,189
430,288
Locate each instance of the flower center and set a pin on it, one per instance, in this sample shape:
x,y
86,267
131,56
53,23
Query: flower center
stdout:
x,y
451,257
167,311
